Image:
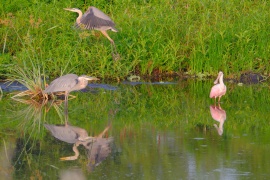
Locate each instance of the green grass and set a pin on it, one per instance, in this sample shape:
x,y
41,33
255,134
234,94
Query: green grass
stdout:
x,y
163,36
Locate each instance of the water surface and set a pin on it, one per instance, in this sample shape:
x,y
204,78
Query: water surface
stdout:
x,y
167,130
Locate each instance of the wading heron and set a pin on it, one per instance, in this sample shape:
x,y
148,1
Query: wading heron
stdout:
x,y
218,90
95,19
68,83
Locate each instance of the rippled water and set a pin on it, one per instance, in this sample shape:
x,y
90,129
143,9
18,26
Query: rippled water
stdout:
x,y
162,130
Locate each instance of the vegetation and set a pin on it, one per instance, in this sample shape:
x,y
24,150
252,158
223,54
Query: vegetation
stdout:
x,y
167,37
155,37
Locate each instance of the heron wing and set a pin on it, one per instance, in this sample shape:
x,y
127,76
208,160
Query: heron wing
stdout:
x,y
63,83
99,150
93,18
63,133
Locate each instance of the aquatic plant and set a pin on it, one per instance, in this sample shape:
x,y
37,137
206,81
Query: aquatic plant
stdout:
x,y
31,79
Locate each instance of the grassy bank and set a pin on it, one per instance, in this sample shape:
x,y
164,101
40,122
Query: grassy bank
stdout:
x,y
154,37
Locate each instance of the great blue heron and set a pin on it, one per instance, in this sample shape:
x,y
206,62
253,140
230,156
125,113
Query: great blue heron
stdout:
x,y
95,19
68,83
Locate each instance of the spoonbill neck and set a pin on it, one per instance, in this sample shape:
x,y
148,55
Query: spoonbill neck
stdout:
x,y
221,79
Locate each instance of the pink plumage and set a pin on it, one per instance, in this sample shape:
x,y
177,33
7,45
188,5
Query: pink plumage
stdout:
x,y
219,115
218,90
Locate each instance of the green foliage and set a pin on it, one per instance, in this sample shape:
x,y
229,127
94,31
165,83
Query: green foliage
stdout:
x,y
168,36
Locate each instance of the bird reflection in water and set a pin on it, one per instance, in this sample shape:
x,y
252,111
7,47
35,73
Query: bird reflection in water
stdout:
x,y
219,115
98,147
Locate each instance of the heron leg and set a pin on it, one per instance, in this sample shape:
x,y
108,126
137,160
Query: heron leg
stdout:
x,y
115,55
107,36
103,132
66,107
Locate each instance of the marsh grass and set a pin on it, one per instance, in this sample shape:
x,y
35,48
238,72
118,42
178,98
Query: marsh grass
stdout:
x,y
154,36
32,80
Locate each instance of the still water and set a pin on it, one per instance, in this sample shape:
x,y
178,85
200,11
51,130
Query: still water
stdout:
x,y
163,130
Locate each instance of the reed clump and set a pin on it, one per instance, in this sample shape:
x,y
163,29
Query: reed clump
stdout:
x,y
32,80
154,36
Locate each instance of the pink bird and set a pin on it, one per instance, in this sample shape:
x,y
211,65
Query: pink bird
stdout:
x,y
218,90
219,115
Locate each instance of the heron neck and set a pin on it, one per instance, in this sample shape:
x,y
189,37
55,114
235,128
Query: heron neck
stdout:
x,y
78,20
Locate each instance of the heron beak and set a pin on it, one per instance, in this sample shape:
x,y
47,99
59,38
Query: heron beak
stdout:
x,y
68,9
89,78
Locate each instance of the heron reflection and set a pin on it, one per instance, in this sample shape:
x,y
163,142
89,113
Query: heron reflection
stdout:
x,y
98,148
219,115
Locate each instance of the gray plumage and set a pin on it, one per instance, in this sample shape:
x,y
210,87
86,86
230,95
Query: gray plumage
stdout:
x,y
67,133
93,18
69,82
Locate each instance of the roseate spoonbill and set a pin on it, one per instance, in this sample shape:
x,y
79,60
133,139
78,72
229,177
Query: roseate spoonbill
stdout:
x,y
218,90
219,115
68,83
95,19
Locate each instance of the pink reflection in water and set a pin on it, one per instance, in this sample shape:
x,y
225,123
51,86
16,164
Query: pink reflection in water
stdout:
x,y
219,115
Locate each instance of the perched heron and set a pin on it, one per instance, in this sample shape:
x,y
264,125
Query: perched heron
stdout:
x,y
68,83
218,90
95,19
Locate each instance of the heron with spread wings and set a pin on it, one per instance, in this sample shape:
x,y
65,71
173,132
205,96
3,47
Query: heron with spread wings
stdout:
x,y
95,19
